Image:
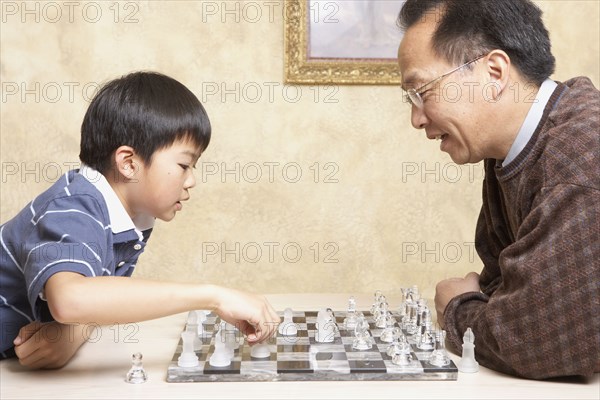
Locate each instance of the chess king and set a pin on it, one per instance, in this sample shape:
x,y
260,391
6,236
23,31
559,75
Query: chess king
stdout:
x,y
64,257
534,307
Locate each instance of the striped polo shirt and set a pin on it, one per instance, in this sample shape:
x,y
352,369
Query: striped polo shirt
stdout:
x,y
77,225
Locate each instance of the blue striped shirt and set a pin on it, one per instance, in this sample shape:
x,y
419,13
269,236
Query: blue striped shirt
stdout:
x,y
77,225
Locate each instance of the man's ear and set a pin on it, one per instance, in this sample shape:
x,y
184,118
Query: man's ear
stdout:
x,y
127,163
498,68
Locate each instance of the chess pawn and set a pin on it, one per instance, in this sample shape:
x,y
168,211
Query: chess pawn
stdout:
x,y
288,327
188,358
398,342
468,363
439,356
260,351
402,359
136,374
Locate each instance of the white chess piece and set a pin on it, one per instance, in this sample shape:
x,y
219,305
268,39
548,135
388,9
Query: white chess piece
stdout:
x,y
188,358
325,332
351,316
288,327
192,326
260,351
468,363
136,374
201,318
222,355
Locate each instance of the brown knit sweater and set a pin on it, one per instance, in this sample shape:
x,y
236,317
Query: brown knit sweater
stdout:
x,y
538,235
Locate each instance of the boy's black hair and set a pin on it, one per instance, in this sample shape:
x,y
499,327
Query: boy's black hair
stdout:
x,y
469,28
145,110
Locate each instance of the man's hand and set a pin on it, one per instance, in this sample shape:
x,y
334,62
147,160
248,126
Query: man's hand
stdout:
x,y
447,289
48,345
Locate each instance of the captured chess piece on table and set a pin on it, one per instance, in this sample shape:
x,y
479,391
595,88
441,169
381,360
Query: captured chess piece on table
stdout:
x,y
136,374
468,363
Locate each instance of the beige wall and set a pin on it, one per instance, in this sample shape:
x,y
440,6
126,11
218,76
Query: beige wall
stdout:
x,y
393,212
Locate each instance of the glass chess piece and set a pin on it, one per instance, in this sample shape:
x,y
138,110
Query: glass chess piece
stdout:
x,y
136,374
439,356
397,345
188,357
362,337
468,363
288,327
376,302
409,323
402,359
351,317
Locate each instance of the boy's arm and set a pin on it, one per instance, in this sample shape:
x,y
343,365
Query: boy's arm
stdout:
x,y
75,299
49,345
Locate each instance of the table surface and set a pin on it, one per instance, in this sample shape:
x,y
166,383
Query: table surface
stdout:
x,y
99,369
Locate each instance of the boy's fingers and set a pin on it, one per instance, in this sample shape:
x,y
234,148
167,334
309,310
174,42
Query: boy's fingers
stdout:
x,y
26,332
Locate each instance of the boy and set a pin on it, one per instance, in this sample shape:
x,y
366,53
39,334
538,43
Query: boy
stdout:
x,y
140,140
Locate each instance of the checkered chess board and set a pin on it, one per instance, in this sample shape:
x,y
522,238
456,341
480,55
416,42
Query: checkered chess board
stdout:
x,y
301,358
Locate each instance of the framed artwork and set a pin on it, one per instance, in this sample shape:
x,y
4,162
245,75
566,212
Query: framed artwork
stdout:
x,y
342,42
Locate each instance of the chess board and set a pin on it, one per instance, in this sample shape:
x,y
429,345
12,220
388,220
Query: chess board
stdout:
x,y
302,358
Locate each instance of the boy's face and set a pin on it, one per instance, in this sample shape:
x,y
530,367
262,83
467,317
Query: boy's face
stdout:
x,y
162,186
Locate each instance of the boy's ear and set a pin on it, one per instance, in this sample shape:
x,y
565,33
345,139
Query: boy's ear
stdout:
x,y
127,163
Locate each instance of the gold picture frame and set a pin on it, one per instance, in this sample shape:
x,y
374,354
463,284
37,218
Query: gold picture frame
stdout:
x,y
299,69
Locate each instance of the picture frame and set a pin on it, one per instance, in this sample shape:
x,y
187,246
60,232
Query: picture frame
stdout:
x,y
324,64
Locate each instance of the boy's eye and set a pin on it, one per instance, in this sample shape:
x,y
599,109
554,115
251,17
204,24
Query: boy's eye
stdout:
x,y
184,166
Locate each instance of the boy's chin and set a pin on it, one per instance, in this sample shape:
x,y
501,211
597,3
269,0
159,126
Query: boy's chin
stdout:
x,y
166,217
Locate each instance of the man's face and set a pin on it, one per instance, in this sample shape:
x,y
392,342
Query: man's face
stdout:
x,y
453,109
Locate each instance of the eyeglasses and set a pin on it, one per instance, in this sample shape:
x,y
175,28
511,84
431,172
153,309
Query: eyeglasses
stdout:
x,y
414,95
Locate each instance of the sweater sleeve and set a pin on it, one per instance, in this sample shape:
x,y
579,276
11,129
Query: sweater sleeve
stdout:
x,y
538,313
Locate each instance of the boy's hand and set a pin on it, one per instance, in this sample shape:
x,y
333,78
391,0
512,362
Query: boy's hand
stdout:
x,y
48,345
251,314
447,289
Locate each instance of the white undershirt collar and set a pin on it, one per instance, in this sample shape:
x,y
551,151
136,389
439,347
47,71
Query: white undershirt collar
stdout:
x,y
534,116
120,221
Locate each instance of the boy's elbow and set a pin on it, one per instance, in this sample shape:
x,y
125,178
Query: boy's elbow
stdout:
x,y
64,300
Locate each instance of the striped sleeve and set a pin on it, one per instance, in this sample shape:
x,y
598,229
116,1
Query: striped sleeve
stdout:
x,y
68,234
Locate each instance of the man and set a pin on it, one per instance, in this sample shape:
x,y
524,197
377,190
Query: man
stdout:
x,y
477,76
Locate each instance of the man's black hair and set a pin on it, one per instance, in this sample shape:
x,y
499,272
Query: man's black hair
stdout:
x,y
145,110
469,28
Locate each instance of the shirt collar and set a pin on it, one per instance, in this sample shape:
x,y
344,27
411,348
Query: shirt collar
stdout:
x,y
532,120
120,221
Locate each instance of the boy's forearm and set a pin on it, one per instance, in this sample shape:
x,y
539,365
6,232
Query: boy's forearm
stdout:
x,y
73,298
